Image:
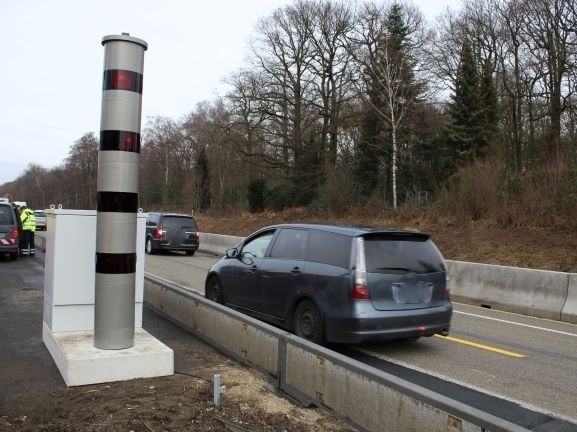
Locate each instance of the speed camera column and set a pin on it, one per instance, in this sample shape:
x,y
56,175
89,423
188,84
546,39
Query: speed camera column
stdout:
x,y
117,192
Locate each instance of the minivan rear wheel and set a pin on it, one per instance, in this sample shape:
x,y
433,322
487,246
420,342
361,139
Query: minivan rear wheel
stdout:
x,y
309,322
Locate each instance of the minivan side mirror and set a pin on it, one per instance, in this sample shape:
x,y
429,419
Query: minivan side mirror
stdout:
x,y
232,253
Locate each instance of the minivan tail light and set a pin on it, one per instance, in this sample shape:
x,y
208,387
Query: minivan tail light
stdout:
x,y
360,288
158,232
15,234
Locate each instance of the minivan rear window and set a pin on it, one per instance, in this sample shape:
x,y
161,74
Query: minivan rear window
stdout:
x,y
406,253
329,248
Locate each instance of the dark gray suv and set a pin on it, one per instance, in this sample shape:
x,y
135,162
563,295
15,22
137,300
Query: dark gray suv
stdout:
x,y
171,231
337,284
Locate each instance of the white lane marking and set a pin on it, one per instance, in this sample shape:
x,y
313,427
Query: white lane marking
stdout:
x,y
484,373
516,323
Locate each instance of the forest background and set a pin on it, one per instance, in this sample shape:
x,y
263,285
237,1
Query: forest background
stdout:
x,y
364,113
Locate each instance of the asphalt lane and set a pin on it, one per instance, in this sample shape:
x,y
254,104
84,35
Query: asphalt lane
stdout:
x,y
542,378
25,363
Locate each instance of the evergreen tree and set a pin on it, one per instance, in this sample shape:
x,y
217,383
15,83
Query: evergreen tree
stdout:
x,y
256,195
204,180
366,169
466,111
489,108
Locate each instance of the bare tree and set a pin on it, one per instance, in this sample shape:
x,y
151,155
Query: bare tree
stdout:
x,y
551,35
163,137
251,115
82,163
283,52
208,131
332,24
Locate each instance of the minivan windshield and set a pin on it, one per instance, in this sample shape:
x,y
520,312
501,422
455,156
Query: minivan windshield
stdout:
x,y
403,254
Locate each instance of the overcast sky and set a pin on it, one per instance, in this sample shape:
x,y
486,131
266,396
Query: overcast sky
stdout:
x,y
51,63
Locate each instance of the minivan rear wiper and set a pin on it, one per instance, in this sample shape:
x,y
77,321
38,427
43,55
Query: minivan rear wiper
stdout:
x,y
396,269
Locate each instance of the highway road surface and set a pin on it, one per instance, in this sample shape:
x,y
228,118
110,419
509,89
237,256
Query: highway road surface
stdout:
x,y
527,360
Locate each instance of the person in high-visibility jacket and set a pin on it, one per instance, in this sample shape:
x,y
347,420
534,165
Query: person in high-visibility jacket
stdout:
x,y
28,227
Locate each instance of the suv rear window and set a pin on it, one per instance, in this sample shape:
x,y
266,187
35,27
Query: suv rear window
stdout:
x,y
178,221
404,253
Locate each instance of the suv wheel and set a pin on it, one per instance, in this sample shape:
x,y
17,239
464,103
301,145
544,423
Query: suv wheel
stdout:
x,y
309,323
214,291
190,252
148,247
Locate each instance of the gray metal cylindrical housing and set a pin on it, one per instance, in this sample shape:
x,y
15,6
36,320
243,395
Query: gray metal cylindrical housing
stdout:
x,y
117,192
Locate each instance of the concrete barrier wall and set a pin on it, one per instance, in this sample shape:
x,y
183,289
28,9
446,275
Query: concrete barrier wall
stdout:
x,y
217,244
40,242
536,293
539,293
247,339
369,399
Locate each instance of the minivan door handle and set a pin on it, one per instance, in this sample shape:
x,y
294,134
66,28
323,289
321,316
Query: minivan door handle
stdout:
x,y
251,269
296,271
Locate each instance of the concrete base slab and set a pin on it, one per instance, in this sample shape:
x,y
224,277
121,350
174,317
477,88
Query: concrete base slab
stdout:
x,y
80,363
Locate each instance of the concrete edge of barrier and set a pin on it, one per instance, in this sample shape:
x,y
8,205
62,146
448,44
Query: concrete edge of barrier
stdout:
x,y
569,311
40,241
247,354
440,408
454,409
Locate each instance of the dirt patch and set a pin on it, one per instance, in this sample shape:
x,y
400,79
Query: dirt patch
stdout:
x,y
180,402
547,248
34,397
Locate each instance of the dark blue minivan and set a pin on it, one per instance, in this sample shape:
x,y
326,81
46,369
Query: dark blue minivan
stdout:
x,y
337,284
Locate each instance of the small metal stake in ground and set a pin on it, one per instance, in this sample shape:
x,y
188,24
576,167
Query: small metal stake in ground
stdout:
x,y
218,390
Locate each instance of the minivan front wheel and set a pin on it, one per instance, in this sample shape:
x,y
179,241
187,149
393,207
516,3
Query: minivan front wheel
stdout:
x,y
309,322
